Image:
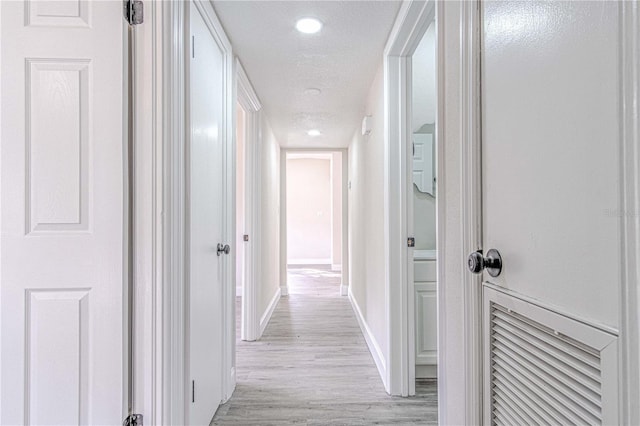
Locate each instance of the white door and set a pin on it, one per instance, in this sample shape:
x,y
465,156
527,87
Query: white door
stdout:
x,y
62,271
550,196
206,207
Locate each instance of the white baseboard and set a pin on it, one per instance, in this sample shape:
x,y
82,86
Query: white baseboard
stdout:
x,y
310,261
284,290
372,343
344,290
266,317
336,267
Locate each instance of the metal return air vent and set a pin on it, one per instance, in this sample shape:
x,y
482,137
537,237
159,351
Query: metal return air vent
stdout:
x,y
542,371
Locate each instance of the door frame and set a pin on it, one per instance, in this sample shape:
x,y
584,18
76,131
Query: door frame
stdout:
x,y
629,107
470,25
173,317
412,21
250,103
284,279
471,206
148,225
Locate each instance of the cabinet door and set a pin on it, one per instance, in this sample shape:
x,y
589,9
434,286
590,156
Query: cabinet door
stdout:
x,y
426,319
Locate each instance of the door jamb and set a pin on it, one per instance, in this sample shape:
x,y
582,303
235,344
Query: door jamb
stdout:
x,y
148,228
173,319
411,23
173,181
471,204
249,101
629,110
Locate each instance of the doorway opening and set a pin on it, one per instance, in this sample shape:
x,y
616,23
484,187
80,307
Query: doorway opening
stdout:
x,y
247,229
241,236
413,64
421,212
314,211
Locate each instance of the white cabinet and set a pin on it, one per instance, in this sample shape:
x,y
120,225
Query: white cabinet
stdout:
x,y
426,318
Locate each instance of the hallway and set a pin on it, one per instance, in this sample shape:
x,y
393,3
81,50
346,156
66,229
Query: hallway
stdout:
x,y
312,366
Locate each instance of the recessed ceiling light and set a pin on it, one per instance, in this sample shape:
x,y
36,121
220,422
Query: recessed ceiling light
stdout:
x,y
314,132
308,25
312,91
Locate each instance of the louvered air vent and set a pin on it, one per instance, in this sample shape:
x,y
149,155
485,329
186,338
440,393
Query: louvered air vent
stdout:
x,y
539,376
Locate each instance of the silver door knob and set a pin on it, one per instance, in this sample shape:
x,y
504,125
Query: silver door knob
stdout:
x,y
492,262
223,249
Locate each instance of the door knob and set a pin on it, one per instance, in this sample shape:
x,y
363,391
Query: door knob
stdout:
x,y
492,262
223,249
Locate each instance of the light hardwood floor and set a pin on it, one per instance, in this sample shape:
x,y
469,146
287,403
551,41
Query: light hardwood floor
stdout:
x,y
312,367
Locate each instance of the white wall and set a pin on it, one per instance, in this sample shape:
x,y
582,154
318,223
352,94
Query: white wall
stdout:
x,y
269,279
424,116
366,218
423,63
336,207
309,210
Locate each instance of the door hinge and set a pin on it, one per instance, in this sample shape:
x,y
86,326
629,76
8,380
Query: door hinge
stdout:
x,y
193,391
133,420
411,242
245,237
134,12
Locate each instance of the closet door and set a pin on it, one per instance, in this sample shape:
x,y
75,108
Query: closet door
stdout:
x,y
62,248
551,167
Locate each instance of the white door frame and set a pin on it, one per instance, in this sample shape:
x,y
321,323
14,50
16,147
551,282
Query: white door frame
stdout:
x,y
470,125
149,128
284,285
173,319
471,205
629,93
250,103
412,22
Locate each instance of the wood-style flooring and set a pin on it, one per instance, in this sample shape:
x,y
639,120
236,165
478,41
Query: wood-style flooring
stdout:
x,y
312,366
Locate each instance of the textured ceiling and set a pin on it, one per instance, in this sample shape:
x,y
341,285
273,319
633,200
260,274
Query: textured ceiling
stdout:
x,y
281,63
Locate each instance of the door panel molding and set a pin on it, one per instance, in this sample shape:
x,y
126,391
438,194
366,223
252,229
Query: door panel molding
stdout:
x,y
630,200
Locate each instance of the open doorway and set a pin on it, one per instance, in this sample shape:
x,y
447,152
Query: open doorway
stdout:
x,y
414,239
314,213
241,215
247,210
422,205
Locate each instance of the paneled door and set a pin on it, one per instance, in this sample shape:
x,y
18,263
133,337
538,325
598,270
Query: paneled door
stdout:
x,y
550,197
62,247
205,219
